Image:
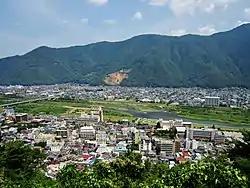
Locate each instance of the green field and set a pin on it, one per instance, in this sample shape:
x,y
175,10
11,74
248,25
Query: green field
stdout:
x,y
6,99
116,110
219,114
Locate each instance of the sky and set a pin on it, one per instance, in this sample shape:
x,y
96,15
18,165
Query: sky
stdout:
x,y
28,24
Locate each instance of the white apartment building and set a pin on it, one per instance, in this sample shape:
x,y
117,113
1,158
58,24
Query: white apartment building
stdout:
x,y
191,144
166,125
88,133
145,144
212,101
201,133
205,134
101,137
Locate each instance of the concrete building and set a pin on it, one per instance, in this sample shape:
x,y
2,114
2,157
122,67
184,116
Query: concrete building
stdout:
x,y
181,132
61,132
170,146
219,138
212,101
166,125
200,134
187,144
101,137
194,144
88,133
21,117
145,144
205,134
190,144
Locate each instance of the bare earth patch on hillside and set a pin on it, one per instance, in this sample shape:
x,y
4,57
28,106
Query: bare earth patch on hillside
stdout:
x,y
116,78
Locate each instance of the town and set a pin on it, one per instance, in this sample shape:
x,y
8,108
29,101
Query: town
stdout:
x,y
234,97
88,138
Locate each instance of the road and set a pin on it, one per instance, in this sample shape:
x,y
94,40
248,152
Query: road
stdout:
x,y
28,101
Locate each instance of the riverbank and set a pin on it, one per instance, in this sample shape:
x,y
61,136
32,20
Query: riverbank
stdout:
x,y
115,110
219,114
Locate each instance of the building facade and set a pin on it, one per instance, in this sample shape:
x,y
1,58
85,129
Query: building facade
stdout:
x,y
212,101
88,133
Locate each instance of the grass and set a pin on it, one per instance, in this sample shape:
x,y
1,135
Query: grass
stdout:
x,y
116,110
219,114
112,115
4,99
40,108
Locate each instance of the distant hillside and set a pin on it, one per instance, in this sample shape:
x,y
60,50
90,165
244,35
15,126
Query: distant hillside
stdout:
x,y
218,60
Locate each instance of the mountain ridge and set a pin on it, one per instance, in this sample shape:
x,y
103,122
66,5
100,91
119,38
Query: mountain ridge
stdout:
x,y
218,60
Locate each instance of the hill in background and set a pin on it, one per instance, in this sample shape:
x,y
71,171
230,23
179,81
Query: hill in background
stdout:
x,y
219,60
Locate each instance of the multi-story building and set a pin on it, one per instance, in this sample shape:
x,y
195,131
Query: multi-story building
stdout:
x,y
145,144
166,125
62,132
101,137
21,117
190,144
212,101
205,134
88,133
200,134
170,146
194,144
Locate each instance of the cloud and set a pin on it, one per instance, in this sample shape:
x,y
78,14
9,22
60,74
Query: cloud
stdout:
x,y
137,16
178,32
210,8
158,2
247,12
239,23
84,20
190,7
207,30
109,21
97,2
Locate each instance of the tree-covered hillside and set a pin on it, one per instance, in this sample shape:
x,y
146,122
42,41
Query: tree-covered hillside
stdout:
x,y
218,60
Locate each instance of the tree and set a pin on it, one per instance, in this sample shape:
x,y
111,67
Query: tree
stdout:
x,y
240,154
17,160
41,144
205,174
158,150
158,125
172,132
127,171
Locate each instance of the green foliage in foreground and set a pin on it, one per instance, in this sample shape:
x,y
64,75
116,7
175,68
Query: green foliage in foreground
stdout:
x,y
240,154
126,171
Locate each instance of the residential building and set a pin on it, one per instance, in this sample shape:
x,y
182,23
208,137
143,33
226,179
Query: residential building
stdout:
x,y
101,137
88,133
205,134
169,146
21,117
145,144
212,101
62,132
181,132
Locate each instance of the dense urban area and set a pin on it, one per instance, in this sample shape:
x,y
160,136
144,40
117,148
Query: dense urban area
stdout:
x,y
72,135
189,96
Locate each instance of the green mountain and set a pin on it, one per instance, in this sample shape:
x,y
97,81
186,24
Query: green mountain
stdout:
x,y
219,60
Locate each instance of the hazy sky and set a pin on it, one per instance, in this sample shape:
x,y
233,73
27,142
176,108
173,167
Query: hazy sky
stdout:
x,y
27,24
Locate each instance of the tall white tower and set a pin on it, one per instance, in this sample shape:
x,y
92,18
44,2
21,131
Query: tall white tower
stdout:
x,y
100,114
